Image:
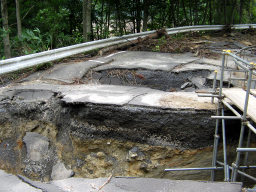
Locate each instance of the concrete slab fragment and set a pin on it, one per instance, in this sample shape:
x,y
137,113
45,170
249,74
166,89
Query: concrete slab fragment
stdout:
x,y
33,76
41,186
96,75
105,80
216,62
37,145
174,100
186,85
59,172
68,73
199,82
115,81
32,87
12,183
122,95
145,185
147,60
9,94
193,67
108,94
100,97
35,95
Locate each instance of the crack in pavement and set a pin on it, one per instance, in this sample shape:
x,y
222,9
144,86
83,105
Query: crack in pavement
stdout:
x,y
45,187
25,181
128,103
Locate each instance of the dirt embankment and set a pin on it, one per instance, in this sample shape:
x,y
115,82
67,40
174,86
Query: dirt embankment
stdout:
x,y
99,140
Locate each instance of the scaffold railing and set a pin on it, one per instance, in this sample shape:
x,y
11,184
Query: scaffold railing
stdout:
x,y
248,112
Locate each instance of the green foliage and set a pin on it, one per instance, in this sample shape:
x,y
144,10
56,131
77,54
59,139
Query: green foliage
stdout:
x,y
66,40
56,23
157,49
162,40
50,22
43,66
3,32
178,36
32,41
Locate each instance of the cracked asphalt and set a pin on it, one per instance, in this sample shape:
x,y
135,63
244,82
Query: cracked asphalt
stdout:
x,y
12,183
64,81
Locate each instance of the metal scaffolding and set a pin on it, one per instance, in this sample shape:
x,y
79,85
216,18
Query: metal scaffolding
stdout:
x,y
231,171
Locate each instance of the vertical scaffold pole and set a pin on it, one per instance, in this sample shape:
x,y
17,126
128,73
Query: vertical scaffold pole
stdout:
x,y
247,153
216,136
226,167
214,84
244,121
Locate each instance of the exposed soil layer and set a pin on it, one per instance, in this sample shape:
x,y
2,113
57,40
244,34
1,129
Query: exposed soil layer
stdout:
x,y
98,140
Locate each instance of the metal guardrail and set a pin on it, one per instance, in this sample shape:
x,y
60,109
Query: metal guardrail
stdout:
x,y
22,62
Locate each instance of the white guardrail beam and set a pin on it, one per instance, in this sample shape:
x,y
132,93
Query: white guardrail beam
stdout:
x,y
22,62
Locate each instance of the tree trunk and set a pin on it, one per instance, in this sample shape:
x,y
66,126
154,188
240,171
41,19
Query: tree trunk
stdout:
x,y
233,12
138,20
89,20
18,18
145,18
178,13
210,12
190,13
133,16
185,13
87,8
218,15
84,20
225,12
173,13
6,41
107,19
205,13
241,11
196,13
102,20
119,22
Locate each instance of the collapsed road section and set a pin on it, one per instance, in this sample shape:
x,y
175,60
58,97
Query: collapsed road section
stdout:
x,y
61,122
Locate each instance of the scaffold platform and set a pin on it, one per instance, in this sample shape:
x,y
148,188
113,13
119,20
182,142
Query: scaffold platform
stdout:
x,y
245,101
237,96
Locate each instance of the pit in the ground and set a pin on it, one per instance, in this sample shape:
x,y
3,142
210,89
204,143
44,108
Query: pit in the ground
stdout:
x,y
160,80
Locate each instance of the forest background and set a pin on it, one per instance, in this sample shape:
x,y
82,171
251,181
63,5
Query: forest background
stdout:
x,y
30,26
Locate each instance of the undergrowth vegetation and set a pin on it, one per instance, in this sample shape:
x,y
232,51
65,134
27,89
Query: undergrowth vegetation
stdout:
x,y
57,23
